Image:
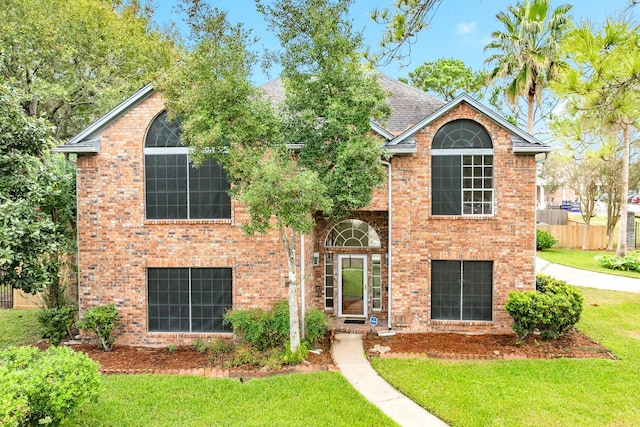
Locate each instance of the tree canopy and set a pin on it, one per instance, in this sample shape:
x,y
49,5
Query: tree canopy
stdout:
x,y
603,88
72,60
528,50
448,77
330,97
36,200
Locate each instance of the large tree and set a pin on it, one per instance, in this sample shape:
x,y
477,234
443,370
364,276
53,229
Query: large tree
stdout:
x,y
603,87
36,201
72,60
330,97
528,50
448,77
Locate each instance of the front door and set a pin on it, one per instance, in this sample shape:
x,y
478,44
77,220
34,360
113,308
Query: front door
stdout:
x,y
352,285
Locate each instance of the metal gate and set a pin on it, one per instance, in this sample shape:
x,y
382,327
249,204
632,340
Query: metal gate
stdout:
x,y
6,296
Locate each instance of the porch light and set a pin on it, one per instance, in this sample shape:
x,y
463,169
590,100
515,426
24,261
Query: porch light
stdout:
x,y
316,258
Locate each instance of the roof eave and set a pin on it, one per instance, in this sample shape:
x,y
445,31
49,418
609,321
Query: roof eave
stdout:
x,y
78,149
532,150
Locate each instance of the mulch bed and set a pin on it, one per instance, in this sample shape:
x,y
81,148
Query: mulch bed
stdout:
x,y
484,347
190,361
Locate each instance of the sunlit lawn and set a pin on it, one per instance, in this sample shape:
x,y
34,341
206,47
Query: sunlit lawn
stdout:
x,y
584,260
318,399
18,327
569,392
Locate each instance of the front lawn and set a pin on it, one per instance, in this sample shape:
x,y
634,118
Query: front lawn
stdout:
x,y
584,260
18,327
562,392
318,399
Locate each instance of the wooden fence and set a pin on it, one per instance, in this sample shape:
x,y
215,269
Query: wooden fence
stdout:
x,y
570,235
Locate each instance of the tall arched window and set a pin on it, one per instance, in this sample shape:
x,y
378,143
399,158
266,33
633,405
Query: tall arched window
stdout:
x,y
175,189
462,170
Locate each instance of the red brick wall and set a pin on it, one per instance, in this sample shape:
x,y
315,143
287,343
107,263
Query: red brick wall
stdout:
x,y
117,244
507,238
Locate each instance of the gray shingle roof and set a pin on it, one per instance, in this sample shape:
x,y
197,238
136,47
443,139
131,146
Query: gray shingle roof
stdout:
x,y
408,104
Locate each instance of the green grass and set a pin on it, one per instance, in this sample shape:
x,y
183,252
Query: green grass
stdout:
x,y
18,327
318,399
584,260
563,392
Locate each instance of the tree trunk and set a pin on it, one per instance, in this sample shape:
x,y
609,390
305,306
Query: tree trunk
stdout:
x,y
624,205
530,112
585,237
294,321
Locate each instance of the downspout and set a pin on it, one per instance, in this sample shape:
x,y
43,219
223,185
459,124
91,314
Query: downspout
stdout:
x,y
302,297
389,222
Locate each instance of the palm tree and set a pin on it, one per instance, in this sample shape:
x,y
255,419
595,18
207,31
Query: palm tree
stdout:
x,y
528,50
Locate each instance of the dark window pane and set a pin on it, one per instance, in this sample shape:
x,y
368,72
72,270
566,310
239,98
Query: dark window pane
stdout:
x,y
213,299
477,299
446,184
208,191
445,290
166,186
166,312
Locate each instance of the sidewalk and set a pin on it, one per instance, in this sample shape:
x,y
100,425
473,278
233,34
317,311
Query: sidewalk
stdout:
x,y
588,279
348,354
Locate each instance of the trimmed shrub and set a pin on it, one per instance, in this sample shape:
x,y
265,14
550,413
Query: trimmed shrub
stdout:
x,y
102,320
44,388
553,309
56,323
544,240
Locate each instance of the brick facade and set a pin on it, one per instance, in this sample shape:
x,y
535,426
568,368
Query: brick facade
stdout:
x,y
117,244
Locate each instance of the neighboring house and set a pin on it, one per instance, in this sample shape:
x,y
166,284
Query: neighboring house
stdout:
x,y
450,234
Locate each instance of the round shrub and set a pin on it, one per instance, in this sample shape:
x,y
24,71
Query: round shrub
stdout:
x,y
44,388
544,240
553,309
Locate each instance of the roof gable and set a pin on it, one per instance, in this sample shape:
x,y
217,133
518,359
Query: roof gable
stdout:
x,y
522,141
88,140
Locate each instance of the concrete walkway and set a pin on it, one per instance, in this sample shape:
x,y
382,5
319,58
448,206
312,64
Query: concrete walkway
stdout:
x,y
348,354
588,279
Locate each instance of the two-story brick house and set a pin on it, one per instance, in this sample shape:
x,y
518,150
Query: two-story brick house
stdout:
x,y
442,243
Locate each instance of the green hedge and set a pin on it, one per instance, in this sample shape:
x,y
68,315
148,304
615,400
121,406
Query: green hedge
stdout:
x,y
553,309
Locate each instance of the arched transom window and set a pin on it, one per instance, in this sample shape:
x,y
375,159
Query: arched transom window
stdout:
x,y
462,169
352,233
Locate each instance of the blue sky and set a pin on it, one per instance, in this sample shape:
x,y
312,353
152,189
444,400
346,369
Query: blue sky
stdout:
x,y
460,28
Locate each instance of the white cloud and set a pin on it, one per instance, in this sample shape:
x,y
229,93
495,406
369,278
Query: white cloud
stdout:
x,y
465,28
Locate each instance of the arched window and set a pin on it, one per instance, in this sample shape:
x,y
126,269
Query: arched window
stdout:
x,y
174,189
462,169
352,233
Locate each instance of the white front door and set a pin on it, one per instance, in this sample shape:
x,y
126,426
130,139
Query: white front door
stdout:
x,y
352,285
